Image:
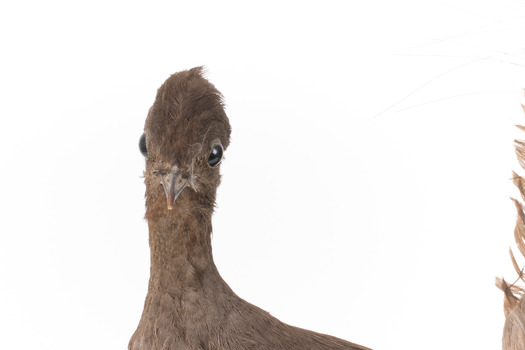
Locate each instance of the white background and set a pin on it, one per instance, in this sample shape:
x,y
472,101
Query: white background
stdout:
x,y
365,193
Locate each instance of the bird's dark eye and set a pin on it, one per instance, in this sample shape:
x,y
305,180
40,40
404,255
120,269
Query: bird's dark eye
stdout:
x,y
142,145
216,155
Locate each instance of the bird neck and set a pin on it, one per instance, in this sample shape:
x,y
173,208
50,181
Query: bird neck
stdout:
x,y
181,253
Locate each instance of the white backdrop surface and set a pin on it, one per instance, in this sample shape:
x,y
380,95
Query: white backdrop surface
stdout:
x,y
365,193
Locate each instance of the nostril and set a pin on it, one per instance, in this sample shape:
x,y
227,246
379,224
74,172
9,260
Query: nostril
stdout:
x,y
160,172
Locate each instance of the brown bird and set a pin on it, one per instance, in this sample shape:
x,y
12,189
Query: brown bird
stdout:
x,y
188,305
514,306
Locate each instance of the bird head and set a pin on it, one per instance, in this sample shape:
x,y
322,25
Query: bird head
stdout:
x,y
185,136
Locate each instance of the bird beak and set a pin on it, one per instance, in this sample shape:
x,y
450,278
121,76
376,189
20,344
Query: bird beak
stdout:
x,y
173,185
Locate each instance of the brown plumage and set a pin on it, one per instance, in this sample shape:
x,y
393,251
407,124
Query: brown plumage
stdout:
x,y
514,306
188,305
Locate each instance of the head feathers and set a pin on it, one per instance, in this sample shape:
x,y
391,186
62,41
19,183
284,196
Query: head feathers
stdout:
x,y
186,117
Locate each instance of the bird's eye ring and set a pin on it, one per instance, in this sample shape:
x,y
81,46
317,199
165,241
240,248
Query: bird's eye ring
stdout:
x,y
142,145
215,155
